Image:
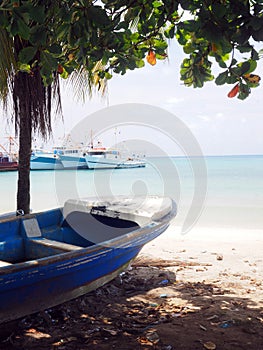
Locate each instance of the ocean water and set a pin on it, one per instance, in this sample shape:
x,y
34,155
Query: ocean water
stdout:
x,y
220,192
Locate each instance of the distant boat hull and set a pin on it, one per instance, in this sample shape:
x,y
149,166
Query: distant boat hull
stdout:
x,y
105,162
45,161
73,162
8,166
48,258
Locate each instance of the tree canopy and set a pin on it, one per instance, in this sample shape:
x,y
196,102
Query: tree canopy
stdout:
x,y
107,37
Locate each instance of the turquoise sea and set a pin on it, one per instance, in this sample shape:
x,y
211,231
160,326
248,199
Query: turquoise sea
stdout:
x,y
225,191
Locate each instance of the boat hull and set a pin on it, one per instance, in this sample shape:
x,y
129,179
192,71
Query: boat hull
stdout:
x,y
51,271
51,162
9,166
44,286
94,162
70,162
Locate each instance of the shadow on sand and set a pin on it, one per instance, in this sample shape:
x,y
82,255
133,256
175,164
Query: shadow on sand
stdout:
x,y
145,308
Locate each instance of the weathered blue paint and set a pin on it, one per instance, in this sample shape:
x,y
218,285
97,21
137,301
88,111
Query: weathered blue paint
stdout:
x,y
42,274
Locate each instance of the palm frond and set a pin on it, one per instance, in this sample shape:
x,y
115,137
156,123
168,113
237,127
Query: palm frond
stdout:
x,y
84,83
7,65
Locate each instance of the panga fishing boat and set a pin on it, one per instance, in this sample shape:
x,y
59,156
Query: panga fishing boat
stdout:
x,y
50,257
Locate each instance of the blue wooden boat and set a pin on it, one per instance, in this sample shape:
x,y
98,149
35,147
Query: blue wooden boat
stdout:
x,y
50,257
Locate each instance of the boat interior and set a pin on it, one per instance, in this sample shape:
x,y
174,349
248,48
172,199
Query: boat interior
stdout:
x,y
49,233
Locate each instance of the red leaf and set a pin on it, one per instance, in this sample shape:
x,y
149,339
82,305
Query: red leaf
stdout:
x,y
234,91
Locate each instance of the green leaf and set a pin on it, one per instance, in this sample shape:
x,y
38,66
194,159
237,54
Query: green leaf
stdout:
x,y
46,76
189,48
3,21
221,78
37,14
108,75
244,91
219,10
55,49
258,34
244,48
64,74
23,29
157,3
169,33
38,35
161,45
242,35
27,54
190,26
48,61
256,23
231,79
254,55
24,67
253,66
98,15
212,32
245,66
140,63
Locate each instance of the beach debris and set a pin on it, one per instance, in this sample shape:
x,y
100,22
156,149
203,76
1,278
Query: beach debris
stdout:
x,y
164,282
200,269
131,309
153,304
152,336
163,295
108,331
209,345
226,324
219,257
212,317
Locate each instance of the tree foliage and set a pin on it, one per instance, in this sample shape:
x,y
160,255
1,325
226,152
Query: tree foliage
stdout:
x,y
63,36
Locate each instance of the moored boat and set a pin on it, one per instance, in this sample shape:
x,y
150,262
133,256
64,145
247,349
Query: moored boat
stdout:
x,y
50,257
103,158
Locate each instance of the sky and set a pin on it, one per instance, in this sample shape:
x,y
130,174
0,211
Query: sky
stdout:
x,y
220,125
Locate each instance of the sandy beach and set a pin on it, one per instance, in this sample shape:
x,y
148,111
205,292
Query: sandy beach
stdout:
x,y
202,290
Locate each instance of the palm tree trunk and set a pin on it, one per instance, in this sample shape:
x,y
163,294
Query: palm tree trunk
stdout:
x,y
25,139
